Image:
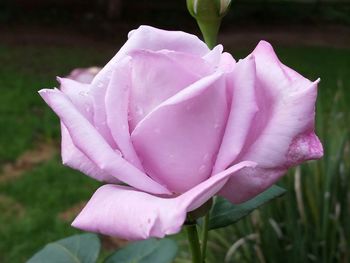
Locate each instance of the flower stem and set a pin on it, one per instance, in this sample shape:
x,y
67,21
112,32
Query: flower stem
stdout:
x,y
204,237
193,239
209,29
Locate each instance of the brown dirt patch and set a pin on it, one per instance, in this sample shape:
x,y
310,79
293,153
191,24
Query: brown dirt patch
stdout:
x,y
10,208
69,214
41,153
112,243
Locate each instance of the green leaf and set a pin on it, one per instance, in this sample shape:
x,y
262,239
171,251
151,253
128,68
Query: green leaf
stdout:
x,y
225,213
83,248
146,251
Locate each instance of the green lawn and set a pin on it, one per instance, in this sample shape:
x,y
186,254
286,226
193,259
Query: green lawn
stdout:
x,y
30,204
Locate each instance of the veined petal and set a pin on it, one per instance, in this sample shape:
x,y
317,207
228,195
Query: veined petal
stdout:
x,y
126,213
93,145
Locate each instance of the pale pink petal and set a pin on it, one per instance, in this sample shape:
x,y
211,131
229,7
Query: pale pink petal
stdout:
x,y
156,76
94,146
214,56
74,158
126,213
287,112
150,38
282,132
241,82
117,103
249,182
71,155
84,75
178,141
227,62
98,95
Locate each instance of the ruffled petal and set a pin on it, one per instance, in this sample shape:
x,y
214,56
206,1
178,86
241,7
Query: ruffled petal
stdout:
x,y
286,112
123,212
178,141
282,131
154,39
93,145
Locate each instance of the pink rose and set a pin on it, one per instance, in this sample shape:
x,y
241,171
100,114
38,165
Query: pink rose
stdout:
x,y
169,123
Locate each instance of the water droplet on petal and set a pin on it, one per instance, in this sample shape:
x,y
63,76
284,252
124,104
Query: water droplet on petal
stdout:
x,y
83,93
206,157
202,169
139,110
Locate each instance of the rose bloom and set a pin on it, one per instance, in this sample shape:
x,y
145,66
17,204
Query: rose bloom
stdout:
x,y
169,123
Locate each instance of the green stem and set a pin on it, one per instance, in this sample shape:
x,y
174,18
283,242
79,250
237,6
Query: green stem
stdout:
x,y
193,239
210,30
205,232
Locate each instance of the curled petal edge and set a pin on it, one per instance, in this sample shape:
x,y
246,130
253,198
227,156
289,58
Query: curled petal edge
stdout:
x,y
127,213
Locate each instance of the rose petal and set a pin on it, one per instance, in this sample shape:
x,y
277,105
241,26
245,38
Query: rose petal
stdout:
x,y
126,213
285,112
155,78
179,139
84,75
71,155
282,132
249,182
117,98
241,82
227,62
150,38
93,145
214,56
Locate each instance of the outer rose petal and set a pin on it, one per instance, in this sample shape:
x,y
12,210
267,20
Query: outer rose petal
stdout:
x,y
126,213
150,38
92,144
155,78
178,140
84,75
287,112
227,62
282,131
71,155
241,83
117,103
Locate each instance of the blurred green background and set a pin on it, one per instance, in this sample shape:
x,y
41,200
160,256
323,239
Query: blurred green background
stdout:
x,y
39,197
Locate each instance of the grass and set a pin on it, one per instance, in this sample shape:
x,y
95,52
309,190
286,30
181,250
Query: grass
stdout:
x,y
314,229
